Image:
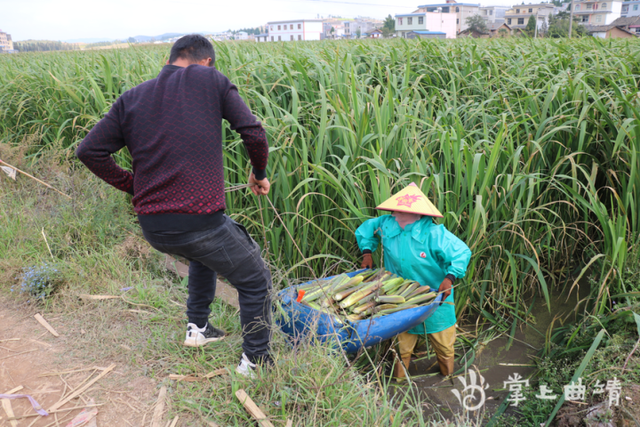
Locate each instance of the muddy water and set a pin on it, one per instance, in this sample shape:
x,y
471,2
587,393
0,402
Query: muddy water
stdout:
x,y
495,360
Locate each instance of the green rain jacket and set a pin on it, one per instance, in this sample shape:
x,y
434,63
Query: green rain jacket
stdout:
x,y
424,252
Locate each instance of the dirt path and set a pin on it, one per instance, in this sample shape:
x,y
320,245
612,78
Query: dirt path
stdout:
x,y
49,369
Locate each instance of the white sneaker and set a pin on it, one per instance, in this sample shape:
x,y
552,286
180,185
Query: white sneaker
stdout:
x,y
197,337
246,367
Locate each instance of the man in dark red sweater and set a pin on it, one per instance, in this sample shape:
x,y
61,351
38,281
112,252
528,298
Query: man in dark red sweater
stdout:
x,y
172,126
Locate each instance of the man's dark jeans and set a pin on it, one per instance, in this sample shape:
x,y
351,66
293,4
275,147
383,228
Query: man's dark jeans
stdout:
x,y
228,250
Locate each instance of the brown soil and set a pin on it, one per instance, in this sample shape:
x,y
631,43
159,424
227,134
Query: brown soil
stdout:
x,y
33,358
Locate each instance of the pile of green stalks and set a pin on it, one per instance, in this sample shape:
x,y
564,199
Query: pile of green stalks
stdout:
x,y
530,148
370,293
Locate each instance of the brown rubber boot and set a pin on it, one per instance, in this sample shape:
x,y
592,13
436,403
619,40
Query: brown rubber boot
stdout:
x,y
446,365
398,371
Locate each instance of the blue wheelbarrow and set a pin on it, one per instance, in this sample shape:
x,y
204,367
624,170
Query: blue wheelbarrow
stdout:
x,y
301,320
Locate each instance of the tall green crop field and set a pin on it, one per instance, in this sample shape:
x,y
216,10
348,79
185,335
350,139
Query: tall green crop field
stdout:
x,y
530,148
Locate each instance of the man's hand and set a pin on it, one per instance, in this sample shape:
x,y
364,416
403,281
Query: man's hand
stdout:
x,y
367,261
445,288
261,188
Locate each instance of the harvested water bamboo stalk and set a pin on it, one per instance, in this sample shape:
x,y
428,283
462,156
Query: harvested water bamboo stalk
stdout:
x,y
36,179
46,324
81,389
159,409
253,409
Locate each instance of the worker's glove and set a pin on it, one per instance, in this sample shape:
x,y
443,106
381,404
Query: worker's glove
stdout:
x,y
367,261
445,288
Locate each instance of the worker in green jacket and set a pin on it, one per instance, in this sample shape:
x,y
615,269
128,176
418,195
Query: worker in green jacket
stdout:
x,y
416,248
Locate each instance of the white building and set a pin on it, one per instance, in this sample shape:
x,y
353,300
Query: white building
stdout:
x,y
333,28
630,8
493,14
426,21
241,35
360,26
518,16
594,12
462,11
303,29
261,38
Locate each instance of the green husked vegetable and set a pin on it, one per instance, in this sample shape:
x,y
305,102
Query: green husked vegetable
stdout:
x,y
345,293
333,315
354,317
364,307
390,299
311,285
326,302
385,307
421,299
314,306
354,281
370,273
395,310
317,293
400,289
421,290
410,289
366,299
391,283
358,295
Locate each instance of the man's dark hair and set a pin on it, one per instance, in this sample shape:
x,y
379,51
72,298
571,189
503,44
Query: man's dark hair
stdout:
x,y
194,48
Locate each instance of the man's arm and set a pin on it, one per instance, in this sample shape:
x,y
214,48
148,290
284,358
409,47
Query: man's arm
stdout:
x,y
236,112
95,151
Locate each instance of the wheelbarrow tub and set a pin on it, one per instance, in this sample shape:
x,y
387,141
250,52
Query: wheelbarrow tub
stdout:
x,y
301,320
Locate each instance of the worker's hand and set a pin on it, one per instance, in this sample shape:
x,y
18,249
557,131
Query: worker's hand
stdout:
x,y
367,261
261,188
445,288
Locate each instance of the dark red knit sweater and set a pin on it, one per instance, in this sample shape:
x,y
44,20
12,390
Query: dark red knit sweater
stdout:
x,y
172,125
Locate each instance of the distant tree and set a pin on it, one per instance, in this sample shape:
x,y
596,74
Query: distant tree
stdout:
x,y
254,31
101,44
358,32
131,40
544,29
477,24
43,46
530,29
389,23
503,32
559,26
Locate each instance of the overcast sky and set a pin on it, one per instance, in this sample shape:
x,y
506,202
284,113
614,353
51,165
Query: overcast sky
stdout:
x,y
112,19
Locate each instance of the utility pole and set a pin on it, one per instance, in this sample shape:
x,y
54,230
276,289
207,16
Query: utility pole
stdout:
x,y
571,20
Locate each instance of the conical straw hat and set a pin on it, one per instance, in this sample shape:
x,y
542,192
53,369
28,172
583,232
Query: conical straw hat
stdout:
x,y
410,200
